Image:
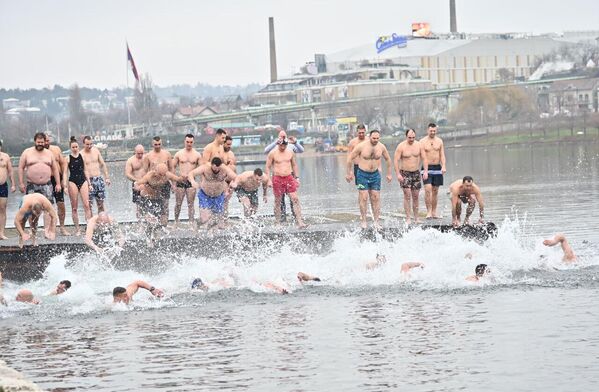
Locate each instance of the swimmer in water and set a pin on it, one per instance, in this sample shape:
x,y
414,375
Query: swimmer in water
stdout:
x,y
63,286
379,261
481,271
406,267
569,256
125,295
198,284
303,277
25,295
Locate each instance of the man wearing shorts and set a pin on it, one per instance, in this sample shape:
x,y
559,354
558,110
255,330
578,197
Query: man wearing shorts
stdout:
x,y
186,160
211,190
93,164
154,158
134,170
407,159
465,191
58,196
246,186
368,178
435,156
361,136
6,173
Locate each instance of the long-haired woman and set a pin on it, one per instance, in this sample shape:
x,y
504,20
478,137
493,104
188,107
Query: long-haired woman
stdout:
x,y
78,184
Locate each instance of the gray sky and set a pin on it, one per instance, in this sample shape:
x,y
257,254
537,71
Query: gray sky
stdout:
x,y
43,43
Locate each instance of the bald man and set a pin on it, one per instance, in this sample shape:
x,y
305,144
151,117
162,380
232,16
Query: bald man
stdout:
x,y
151,187
135,170
32,206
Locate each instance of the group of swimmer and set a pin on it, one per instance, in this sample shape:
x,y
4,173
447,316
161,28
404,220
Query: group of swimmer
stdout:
x,y
44,174
415,163
125,294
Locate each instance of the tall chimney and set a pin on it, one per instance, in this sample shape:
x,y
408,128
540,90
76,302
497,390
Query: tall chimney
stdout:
x,y
453,23
273,50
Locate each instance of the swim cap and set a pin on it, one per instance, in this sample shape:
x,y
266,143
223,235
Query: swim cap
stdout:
x,y
197,283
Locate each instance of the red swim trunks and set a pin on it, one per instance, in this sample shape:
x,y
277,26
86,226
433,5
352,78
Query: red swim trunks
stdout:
x,y
282,185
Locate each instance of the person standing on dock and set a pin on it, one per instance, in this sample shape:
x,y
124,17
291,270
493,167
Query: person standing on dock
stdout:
x,y
93,163
231,162
411,155
285,180
368,180
211,190
465,191
58,195
186,159
151,161
134,170
215,148
6,173
77,185
360,137
38,165
435,156
32,206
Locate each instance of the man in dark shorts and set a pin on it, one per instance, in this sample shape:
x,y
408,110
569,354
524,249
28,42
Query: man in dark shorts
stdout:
x,y
360,137
246,186
134,170
58,195
435,156
410,154
465,191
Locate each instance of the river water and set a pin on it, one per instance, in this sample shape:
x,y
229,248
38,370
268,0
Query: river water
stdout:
x,y
533,326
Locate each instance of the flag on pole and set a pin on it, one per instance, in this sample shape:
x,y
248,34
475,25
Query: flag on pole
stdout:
x,y
130,59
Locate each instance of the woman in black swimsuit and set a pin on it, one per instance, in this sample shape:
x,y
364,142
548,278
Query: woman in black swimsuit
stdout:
x,y
78,184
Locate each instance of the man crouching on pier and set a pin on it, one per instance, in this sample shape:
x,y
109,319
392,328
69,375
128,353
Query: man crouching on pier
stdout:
x,y
32,206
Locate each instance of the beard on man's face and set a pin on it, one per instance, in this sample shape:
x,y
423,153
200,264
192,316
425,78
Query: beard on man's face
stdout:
x,y
40,147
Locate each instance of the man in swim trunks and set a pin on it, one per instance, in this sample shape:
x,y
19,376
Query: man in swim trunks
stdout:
x,y
211,190
215,148
58,196
465,191
103,231
32,206
369,154
435,156
285,180
151,160
569,256
360,137
93,164
231,162
246,186
134,170
40,166
6,173
186,160
407,159
152,194
125,295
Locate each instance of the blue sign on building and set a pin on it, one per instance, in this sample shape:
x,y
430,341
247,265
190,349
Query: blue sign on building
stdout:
x,y
389,41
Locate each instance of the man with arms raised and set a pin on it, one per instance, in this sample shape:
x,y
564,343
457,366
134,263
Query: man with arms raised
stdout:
x,y
410,153
215,148
246,186
368,180
134,170
285,180
93,164
5,174
186,159
58,196
435,156
151,161
465,191
40,166
211,190
31,208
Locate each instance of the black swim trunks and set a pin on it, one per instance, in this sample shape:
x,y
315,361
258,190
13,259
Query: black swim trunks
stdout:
x,y
435,176
58,196
4,190
184,184
136,194
165,191
154,207
251,195
411,179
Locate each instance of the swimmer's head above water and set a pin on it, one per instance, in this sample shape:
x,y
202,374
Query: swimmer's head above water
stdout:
x,y
482,270
197,284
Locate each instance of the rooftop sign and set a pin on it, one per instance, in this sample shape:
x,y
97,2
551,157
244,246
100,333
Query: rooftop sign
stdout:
x,y
385,42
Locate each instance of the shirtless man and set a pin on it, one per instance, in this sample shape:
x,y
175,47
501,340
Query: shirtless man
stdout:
x,y
58,196
215,148
41,167
152,192
231,162
31,208
410,153
481,271
151,161
361,136
134,170
211,190
569,256
465,191
93,163
285,180
6,173
186,159
246,186
435,156
103,231
368,180
125,295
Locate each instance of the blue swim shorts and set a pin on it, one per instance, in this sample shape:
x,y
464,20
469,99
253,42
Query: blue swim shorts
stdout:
x,y
368,181
215,204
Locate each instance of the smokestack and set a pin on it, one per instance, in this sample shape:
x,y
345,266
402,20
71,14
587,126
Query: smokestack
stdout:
x,y
273,50
453,23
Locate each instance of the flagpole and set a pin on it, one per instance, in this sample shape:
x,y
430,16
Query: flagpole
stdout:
x,y
127,91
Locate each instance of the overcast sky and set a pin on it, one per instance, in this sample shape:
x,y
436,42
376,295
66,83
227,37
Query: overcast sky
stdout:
x,y
43,43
